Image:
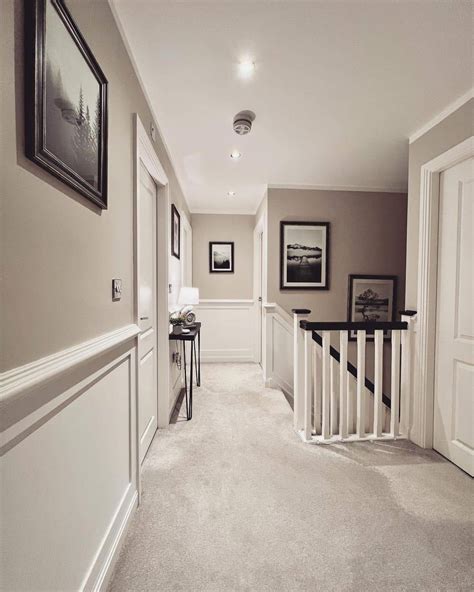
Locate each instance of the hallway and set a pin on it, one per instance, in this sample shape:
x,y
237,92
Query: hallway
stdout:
x,y
233,501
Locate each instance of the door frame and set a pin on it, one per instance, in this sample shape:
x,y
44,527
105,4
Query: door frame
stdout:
x,y
259,279
424,372
145,153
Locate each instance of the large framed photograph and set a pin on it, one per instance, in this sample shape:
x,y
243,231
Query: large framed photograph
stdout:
x,y
175,232
304,255
65,101
371,298
221,257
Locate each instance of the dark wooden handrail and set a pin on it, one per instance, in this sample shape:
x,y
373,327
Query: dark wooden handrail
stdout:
x,y
354,326
351,368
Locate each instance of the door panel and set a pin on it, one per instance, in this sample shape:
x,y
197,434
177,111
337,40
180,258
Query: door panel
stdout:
x,y
147,354
454,381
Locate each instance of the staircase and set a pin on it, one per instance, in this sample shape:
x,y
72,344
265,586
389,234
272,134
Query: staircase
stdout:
x,y
334,401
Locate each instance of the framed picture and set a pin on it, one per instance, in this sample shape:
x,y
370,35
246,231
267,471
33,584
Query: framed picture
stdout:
x,y
65,101
221,257
371,298
175,232
304,255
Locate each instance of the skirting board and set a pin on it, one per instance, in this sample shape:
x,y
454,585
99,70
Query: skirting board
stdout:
x,y
228,355
101,572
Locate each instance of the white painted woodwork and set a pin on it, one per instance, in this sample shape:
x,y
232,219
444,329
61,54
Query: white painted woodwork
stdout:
x,y
395,384
423,358
69,473
308,394
378,382
227,333
317,381
453,434
326,386
343,374
334,397
360,417
147,347
406,373
278,352
145,155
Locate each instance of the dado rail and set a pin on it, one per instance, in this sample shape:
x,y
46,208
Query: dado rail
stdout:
x,y
334,401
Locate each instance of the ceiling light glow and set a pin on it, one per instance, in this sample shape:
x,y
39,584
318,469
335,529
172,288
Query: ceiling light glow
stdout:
x,y
235,154
246,68
231,193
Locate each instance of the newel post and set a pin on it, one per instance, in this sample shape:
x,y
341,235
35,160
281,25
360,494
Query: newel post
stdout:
x,y
406,385
298,367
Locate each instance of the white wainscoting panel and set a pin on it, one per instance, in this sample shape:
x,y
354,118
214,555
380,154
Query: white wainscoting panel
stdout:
x,y
228,330
69,476
278,349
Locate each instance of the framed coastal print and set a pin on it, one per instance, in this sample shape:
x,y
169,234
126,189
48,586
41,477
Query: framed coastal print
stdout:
x,y
221,257
65,101
304,255
175,232
371,298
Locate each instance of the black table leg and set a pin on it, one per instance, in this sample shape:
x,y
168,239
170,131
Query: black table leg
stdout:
x,y
198,372
186,379
190,414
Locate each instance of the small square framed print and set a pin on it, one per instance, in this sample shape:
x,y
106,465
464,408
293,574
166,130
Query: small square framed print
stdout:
x,y
221,257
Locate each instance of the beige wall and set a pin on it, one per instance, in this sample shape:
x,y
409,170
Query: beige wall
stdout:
x,y
223,227
367,235
59,251
448,133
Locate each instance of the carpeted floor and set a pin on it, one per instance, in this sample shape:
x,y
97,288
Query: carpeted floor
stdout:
x,y
234,501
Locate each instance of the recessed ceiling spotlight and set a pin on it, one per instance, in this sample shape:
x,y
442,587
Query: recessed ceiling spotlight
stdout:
x,y
231,193
235,154
246,68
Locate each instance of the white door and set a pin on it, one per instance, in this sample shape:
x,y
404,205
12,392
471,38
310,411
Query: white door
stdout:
x,y
260,296
454,380
147,351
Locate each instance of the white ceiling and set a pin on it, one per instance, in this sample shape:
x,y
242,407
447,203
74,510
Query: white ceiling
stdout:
x,y
339,87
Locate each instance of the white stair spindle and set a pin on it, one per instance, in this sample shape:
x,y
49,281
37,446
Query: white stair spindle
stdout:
x,y
317,388
360,422
308,394
325,430
378,382
334,396
405,387
343,384
395,384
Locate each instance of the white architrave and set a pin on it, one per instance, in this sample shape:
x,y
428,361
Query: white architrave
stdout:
x,y
423,379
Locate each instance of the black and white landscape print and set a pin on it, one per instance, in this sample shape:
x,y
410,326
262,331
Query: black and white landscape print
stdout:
x,y
221,257
304,255
371,298
73,113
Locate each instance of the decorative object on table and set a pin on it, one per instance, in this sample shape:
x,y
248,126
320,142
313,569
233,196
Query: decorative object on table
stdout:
x,y
304,255
371,298
188,297
221,257
175,232
65,101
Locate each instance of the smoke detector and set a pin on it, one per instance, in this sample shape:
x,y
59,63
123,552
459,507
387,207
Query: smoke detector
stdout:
x,y
243,122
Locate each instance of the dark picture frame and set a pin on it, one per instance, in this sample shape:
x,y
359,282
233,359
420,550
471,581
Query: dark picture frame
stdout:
x,y
175,232
225,261
376,298
67,139
304,266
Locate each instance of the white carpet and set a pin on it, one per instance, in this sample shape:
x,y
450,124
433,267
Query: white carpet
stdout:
x,y
234,501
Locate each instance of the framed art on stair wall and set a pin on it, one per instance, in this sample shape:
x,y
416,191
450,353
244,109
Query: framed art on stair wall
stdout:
x,y
65,101
304,255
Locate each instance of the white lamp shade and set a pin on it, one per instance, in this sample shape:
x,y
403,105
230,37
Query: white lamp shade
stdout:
x,y
188,295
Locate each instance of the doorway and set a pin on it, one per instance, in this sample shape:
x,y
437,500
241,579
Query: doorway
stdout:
x,y
453,427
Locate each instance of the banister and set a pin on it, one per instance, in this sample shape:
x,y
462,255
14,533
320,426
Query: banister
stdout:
x,y
354,326
351,369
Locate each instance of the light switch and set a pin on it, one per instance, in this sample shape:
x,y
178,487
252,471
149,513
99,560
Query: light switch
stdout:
x,y
116,289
